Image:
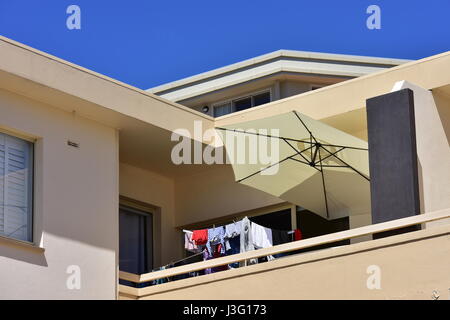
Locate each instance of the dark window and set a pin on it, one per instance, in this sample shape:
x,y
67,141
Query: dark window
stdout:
x,y
243,104
261,98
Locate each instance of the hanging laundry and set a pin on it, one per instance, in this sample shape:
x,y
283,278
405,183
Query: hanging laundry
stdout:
x,y
200,237
235,247
233,230
216,253
189,244
298,235
246,236
262,238
216,236
246,239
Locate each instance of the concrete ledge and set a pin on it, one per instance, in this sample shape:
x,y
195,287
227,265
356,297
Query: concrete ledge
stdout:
x,y
21,244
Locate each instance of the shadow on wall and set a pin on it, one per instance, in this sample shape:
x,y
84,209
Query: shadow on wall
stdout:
x,y
421,186
443,108
31,256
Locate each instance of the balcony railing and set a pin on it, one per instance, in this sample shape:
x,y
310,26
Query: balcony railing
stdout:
x,y
283,248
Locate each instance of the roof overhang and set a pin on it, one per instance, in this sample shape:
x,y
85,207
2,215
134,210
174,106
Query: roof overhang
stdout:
x,y
146,122
281,61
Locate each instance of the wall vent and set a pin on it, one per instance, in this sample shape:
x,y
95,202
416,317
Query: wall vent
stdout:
x,y
73,144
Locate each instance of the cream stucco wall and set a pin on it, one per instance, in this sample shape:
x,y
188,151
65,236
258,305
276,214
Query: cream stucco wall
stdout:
x,y
291,88
433,152
75,205
213,194
155,190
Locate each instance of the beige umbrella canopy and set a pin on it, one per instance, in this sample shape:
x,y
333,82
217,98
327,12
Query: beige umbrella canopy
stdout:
x,y
302,161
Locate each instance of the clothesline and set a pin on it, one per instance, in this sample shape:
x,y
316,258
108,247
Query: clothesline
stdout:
x,y
190,231
187,258
213,227
288,232
261,237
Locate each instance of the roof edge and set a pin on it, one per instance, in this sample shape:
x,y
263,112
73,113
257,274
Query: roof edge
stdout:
x,y
274,55
103,77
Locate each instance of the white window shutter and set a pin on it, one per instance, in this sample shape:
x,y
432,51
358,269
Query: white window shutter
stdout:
x,y
2,184
16,189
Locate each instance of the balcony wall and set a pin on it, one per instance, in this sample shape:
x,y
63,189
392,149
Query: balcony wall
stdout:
x,y
412,266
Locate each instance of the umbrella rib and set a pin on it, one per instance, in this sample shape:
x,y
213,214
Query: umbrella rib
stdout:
x,y
328,145
299,152
330,166
299,161
361,174
332,154
305,163
313,159
263,135
310,133
344,147
298,117
259,171
290,157
323,184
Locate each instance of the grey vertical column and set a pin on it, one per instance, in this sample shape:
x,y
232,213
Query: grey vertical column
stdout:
x,y
393,158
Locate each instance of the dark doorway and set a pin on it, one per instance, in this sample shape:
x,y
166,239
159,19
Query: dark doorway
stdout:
x,y
279,220
135,241
313,225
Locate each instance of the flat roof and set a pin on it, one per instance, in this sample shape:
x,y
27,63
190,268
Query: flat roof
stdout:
x,y
279,54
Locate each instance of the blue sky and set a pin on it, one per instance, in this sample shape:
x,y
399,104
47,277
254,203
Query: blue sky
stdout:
x,y
146,42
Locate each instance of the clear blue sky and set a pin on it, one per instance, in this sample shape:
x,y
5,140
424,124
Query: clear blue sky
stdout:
x,y
147,42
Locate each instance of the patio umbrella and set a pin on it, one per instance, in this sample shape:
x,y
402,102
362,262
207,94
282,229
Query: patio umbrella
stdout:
x,y
303,161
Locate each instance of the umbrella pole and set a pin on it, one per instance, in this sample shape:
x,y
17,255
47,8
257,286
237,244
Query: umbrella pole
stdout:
x,y
323,184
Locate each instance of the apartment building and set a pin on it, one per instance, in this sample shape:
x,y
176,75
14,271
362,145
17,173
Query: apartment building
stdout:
x,y
92,202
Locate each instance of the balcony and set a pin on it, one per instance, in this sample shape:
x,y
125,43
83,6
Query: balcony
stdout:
x,y
411,265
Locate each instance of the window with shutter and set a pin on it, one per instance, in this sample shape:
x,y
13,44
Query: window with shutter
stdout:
x,y
16,173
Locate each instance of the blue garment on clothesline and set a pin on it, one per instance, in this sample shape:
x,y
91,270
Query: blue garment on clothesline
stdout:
x,y
216,236
235,248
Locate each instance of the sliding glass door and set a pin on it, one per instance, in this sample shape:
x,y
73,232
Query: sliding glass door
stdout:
x,y
135,240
